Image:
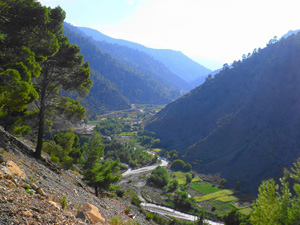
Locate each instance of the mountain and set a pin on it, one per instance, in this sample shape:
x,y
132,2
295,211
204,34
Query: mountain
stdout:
x,y
289,33
127,84
244,123
104,96
145,63
175,61
201,80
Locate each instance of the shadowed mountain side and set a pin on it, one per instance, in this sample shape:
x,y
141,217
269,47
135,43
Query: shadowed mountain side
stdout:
x,y
104,96
244,123
175,61
146,63
131,83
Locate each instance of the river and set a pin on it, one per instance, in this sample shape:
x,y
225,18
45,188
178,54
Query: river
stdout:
x,y
157,208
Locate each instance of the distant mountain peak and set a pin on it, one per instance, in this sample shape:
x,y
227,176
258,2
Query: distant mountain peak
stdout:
x,y
175,61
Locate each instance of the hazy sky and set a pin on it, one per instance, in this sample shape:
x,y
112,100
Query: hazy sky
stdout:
x,y
212,31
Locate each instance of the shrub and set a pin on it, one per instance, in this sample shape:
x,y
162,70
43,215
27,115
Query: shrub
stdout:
x,y
159,176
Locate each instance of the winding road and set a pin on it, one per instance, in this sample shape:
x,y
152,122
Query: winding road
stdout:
x,y
157,208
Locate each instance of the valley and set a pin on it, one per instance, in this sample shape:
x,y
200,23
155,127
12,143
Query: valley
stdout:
x,y
206,190
101,130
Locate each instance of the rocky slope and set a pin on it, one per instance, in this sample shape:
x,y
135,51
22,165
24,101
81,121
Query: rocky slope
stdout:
x,y
32,192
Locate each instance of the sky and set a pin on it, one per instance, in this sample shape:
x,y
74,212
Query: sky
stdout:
x,y
212,32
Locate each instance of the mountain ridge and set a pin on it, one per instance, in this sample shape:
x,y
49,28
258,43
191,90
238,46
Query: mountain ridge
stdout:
x,y
244,122
175,61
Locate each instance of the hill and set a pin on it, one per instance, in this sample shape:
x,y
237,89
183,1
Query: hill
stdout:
x,y
175,61
243,123
31,192
133,85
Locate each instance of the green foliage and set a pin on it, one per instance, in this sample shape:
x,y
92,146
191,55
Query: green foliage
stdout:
x,y
63,202
93,151
37,63
148,139
183,202
178,164
188,178
204,187
133,156
102,175
64,149
19,63
173,154
173,185
112,126
214,195
277,203
159,176
235,218
149,216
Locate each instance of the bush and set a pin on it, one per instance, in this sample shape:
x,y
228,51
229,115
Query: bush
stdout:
x,y
178,164
136,201
159,176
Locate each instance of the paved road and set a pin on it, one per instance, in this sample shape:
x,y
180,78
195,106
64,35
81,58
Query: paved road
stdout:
x,y
129,172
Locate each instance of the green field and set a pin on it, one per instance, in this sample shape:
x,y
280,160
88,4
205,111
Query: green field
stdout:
x,y
227,198
204,187
245,211
128,134
181,177
214,195
157,150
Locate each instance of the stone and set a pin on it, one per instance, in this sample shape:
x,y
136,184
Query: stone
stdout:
x,y
55,204
5,171
92,213
41,192
15,169
34,186
81,215
1,158
27,213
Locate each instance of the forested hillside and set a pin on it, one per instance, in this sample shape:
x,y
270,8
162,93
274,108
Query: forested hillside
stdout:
x,y
175,61
244,122
134,85
144,63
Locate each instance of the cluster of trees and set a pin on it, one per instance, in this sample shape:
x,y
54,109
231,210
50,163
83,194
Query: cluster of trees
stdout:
x,y
148,139
133,156
176,194
113,125
37,62
96,173
180,165
277,202
38,66
64,149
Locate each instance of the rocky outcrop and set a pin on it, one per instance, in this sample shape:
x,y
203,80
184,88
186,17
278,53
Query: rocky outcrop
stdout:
x,y
15,169
91,213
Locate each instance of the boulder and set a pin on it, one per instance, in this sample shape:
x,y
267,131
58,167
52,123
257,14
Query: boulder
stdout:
x,y
41,192
92,213
15,169
4,171
55,204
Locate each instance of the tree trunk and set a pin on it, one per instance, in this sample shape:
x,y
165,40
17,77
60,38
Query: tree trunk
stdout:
x,y
39,146
96,191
